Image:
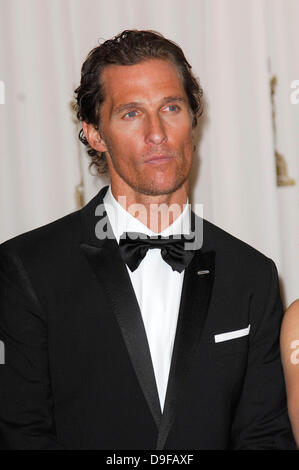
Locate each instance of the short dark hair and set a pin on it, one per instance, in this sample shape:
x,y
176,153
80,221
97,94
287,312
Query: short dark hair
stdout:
x,y
127,48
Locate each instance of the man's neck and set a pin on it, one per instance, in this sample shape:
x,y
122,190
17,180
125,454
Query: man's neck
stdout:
x,y
156,212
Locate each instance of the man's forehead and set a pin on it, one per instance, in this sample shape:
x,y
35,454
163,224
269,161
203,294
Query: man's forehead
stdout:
x,y
143,76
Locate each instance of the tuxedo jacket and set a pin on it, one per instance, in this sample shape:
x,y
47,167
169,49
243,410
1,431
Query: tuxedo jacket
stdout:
x,y
78,373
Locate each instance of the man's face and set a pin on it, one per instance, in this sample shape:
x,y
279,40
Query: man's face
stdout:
x,y
146,127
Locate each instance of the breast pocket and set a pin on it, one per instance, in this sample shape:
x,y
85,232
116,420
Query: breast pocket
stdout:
x,y
228,343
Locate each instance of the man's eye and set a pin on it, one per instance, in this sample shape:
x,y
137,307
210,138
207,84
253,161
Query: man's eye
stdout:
x,y
131,114
173,107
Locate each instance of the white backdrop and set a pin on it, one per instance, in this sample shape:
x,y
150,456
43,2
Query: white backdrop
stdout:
x,y
235,47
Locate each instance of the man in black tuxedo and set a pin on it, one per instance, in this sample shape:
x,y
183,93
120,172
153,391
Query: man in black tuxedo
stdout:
x,y
116,343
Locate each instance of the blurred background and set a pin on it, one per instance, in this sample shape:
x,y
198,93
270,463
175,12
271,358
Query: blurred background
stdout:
x,y
246,55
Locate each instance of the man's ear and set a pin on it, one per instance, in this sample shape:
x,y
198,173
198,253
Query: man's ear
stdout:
x,y
93,137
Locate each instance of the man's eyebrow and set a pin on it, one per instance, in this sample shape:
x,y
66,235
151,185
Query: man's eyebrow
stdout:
x,y
124,107
135,104
170,99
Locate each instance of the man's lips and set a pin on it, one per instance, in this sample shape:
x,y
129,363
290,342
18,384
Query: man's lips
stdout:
x,y
159,158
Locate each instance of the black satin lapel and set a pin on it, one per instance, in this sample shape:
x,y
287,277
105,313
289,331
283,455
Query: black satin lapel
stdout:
x,y
111,272
195,299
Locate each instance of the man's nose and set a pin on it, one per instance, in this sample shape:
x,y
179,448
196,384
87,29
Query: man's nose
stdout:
x,y
155,130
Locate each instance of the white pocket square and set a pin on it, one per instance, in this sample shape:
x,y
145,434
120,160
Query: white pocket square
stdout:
x,y
232,334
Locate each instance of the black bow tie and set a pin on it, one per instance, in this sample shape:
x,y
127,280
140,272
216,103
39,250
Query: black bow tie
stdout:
x,y
133,248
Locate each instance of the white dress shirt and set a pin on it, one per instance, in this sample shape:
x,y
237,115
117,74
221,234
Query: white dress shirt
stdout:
x,y
157,287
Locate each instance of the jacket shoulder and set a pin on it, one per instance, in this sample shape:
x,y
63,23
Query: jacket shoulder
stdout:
x,y
65,231
61,232
231,249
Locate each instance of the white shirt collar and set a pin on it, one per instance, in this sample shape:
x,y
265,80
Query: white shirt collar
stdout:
x,y
122,221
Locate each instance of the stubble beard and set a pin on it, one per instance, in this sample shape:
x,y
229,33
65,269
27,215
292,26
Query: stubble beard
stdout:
x,y
152,188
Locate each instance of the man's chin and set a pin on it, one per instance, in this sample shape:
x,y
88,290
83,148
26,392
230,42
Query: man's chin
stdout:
x,y
159,189
156,191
